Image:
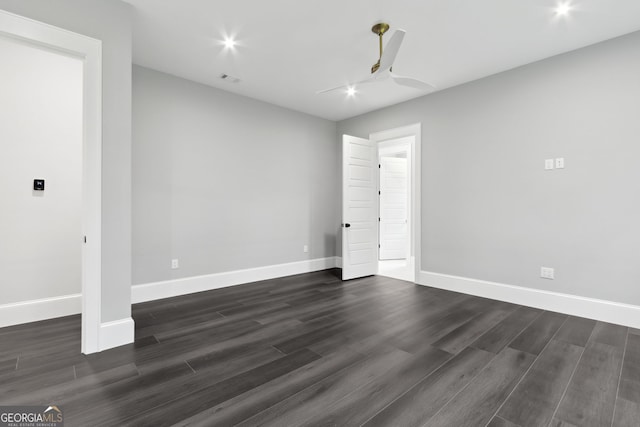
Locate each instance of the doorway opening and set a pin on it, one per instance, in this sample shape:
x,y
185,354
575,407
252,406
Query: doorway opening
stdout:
x,y
394,202
60,42
398,202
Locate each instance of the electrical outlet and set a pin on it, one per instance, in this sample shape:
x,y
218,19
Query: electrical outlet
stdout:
x,y
175,264
305,249
560,163
547,273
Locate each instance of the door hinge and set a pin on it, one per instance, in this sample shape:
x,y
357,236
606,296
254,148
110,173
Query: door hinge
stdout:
x,y
85,239
379,193
379,166
378,246
378,219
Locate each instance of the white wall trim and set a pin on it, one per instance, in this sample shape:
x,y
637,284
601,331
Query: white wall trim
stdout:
x,y
338,262
116,333
40,309
188,285
606,311
90,51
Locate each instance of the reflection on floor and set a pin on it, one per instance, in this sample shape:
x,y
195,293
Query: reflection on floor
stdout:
x,y
397,268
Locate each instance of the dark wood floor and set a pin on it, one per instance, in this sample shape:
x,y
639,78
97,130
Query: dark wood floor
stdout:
x,y
312,350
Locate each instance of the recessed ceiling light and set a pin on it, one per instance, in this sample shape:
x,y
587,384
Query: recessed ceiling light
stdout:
x,y
229,43
351,91
563,8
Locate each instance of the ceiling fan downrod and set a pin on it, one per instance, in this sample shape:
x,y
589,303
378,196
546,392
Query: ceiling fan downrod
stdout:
x,y
379,29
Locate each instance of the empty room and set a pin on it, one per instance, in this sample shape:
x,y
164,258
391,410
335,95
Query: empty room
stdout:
x,y
337,213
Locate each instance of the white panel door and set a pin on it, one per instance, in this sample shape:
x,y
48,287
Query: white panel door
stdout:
x,y
359,208
393,208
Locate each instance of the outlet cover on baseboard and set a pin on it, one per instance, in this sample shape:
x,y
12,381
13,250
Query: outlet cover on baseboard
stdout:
x,y
175,264
547,273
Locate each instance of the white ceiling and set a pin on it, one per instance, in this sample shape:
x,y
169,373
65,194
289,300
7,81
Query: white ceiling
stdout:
x,y
289,49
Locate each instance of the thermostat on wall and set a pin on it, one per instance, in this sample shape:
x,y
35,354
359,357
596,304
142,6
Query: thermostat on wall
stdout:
x,y
38,184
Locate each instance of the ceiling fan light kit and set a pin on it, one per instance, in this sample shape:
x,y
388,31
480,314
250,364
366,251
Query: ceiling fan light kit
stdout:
x,y
382,70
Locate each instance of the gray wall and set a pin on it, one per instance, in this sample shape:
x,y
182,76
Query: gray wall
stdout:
x,y
490,211
40,137
109,21
223,182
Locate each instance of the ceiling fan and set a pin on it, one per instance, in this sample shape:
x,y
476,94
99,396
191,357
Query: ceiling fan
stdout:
x,y
382,70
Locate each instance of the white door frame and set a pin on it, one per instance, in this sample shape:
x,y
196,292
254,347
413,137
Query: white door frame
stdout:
x,y
415,131
89,50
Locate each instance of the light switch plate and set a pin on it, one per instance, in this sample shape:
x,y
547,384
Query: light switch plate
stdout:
x,y
547,273
548,164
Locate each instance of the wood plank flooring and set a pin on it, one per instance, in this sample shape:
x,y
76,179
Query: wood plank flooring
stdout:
x,y
311,350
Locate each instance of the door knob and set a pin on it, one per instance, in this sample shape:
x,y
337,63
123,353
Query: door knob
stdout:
x,y
347,225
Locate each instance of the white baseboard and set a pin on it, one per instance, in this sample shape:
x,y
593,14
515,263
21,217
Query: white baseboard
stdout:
x,y
112,334
41,309
591,308
188,285
338,262
116,333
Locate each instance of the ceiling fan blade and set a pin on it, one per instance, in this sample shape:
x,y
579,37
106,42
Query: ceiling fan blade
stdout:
x,y
391,51
332,89
411,82
347,86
